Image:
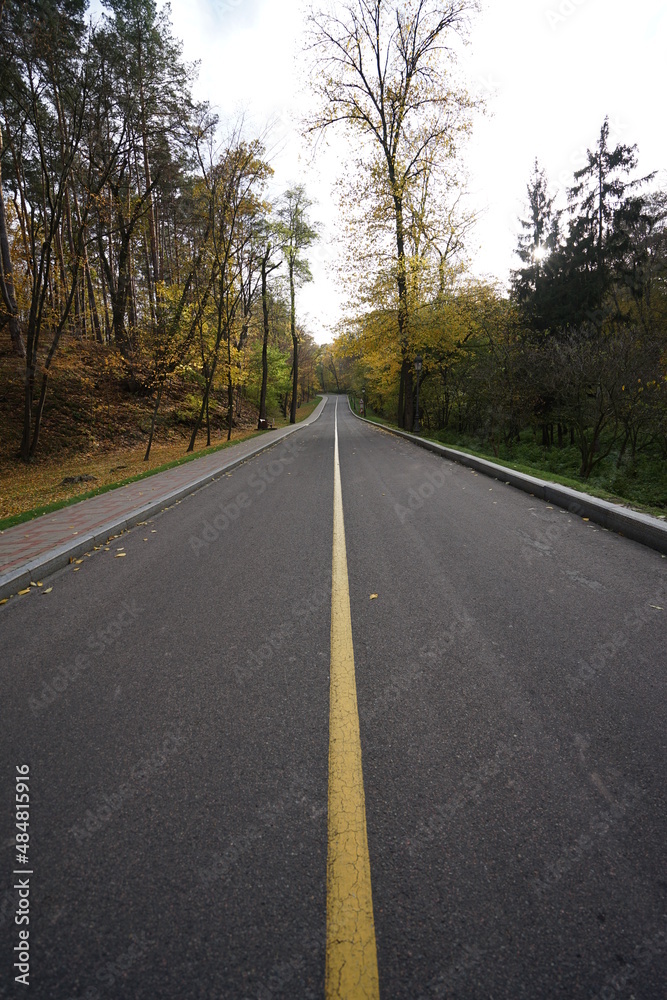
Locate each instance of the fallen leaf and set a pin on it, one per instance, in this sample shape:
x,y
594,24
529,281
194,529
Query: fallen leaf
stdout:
x,y
656,607
78,561
4,600
373,596
39,583
76,569
585,519
48,590
119,555
26,591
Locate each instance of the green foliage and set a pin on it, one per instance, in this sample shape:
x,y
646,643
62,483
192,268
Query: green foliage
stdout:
x,y
278,383
570,371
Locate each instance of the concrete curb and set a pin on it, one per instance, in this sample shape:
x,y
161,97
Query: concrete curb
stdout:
x,y
48,562
643,528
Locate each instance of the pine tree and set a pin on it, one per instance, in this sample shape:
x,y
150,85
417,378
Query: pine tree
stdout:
x,y
538,242
601,204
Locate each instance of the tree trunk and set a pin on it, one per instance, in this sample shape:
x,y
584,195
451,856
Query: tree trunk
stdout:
x,y
52,350
38,415
95,320
204,402
155,409
27,411
295,364
7,290
409,402
230,388
265,341
406,411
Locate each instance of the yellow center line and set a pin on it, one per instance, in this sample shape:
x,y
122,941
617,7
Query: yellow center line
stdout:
x,y
351,959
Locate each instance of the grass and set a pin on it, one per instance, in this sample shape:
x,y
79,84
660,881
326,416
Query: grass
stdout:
x,y
642,486
21,484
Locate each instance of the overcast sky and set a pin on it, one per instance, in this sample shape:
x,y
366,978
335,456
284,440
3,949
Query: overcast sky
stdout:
x,y
549,70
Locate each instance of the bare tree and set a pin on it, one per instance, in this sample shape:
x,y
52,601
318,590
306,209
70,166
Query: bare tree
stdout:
x,y
297,235
384,76
267,266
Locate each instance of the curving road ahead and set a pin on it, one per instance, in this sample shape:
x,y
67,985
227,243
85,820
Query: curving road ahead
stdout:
x,y
173,704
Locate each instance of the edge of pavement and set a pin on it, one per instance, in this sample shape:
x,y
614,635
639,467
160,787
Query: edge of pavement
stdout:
x,y
643,528
48,562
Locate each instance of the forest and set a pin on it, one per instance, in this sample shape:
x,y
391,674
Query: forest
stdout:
x,y
564,370
147,281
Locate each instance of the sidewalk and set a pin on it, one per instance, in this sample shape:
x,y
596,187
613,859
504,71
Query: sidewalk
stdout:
x,y
36,548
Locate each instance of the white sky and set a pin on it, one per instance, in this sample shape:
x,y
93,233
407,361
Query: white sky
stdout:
x,y
550,70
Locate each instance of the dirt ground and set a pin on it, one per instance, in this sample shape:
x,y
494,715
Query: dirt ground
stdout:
x,y
95,431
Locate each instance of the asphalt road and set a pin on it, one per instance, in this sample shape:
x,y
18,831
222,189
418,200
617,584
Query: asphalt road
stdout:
x,y
173,706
